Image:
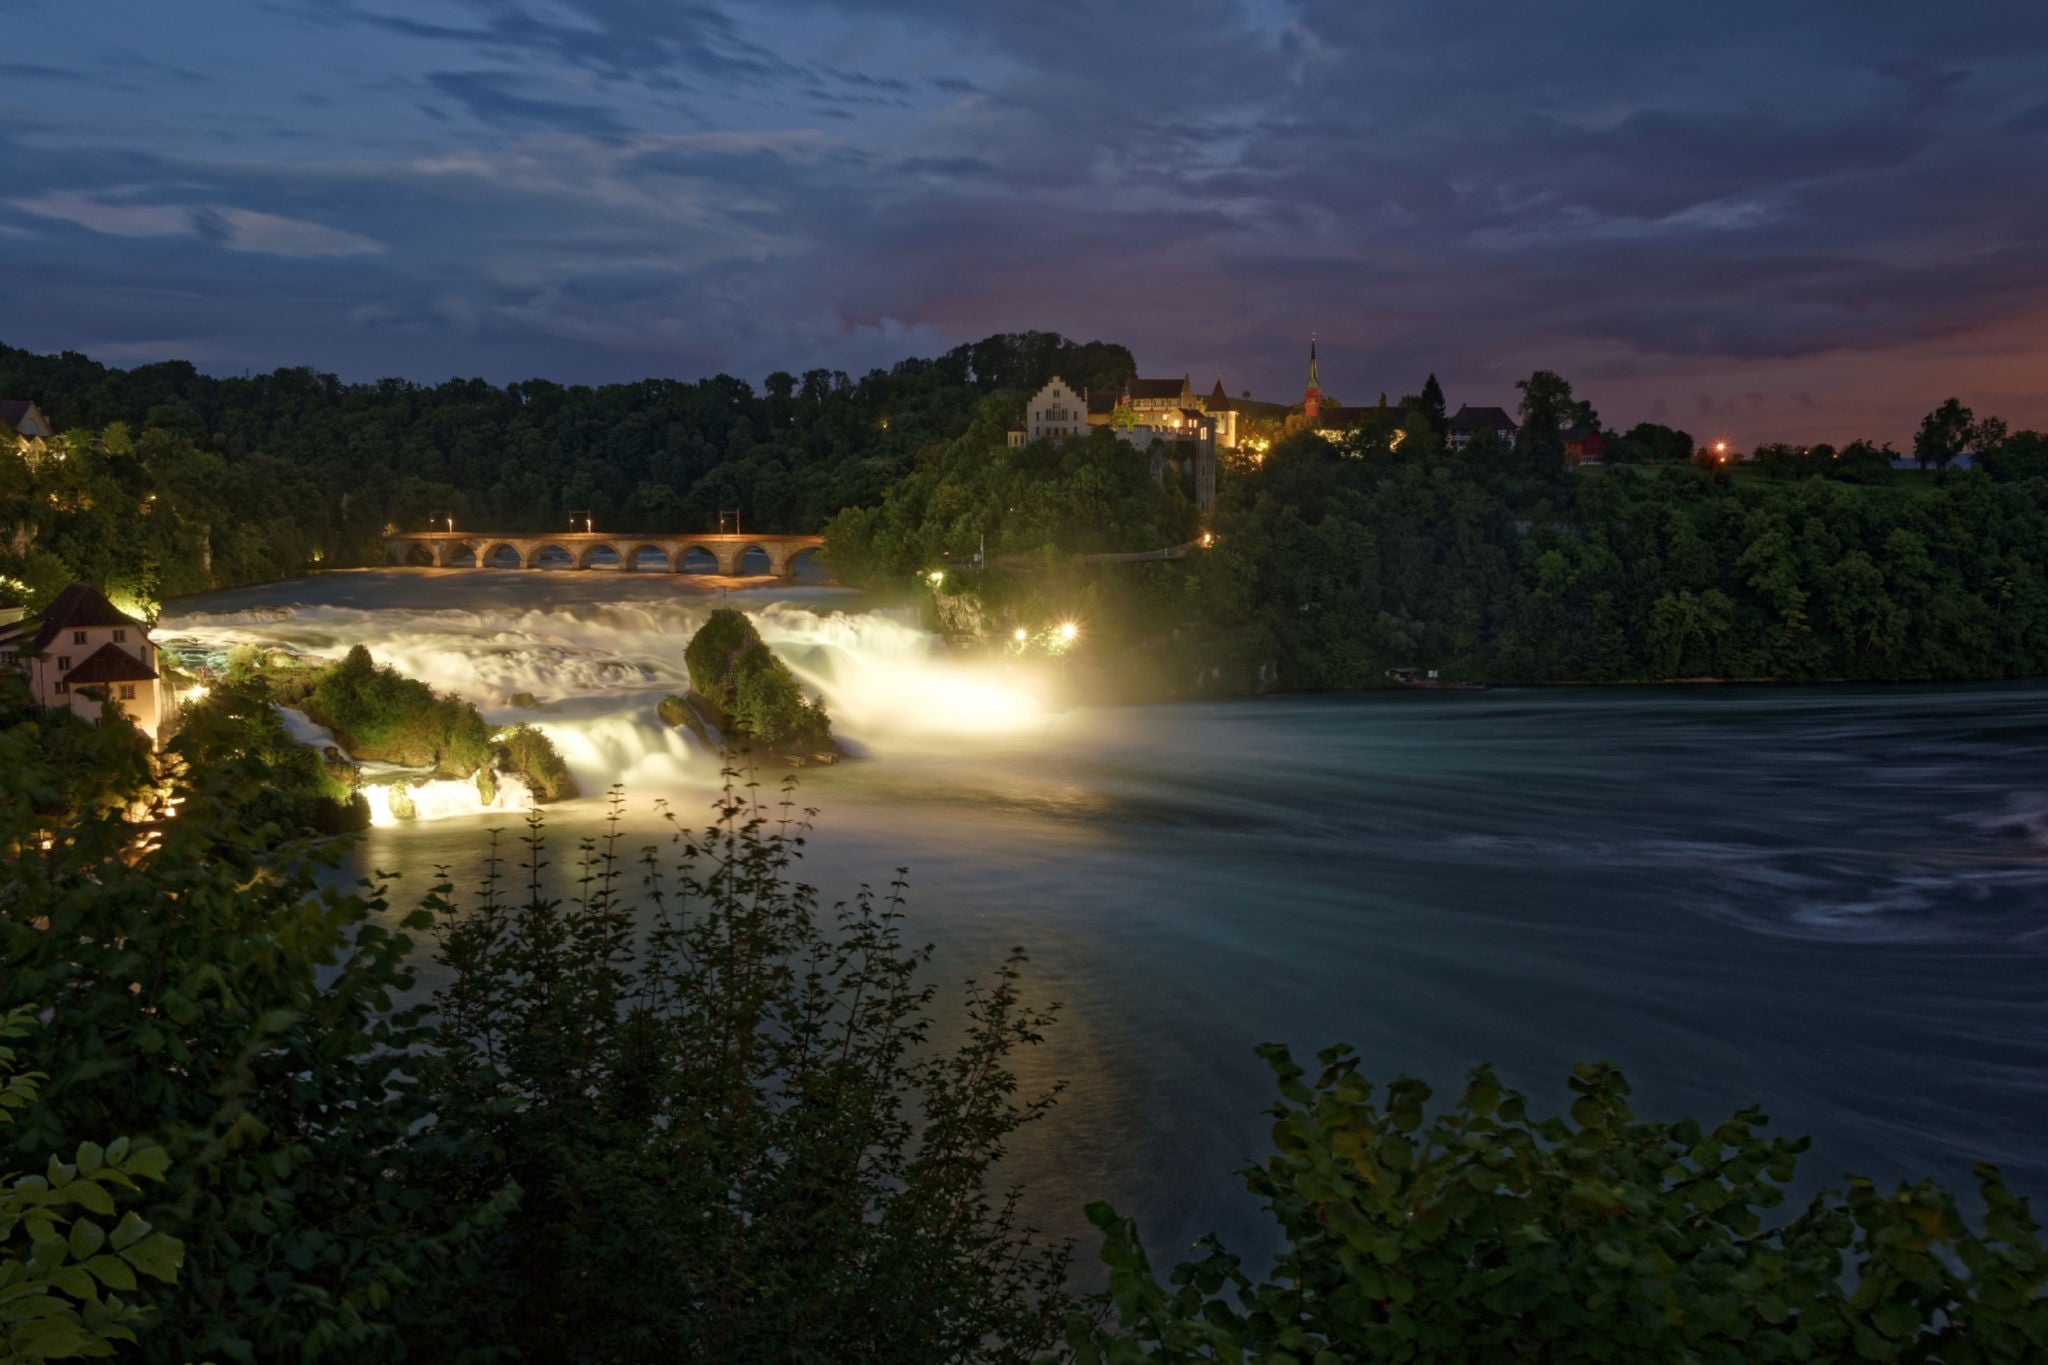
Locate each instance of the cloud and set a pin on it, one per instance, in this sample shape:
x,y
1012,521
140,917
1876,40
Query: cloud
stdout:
x,y
1756,199
496,98
237,229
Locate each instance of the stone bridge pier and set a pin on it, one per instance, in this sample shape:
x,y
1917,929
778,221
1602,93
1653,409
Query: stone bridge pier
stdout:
x,y
726,554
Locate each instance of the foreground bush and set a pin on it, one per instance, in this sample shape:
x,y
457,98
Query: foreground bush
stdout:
x,y
1483,1234
207,997
736,1138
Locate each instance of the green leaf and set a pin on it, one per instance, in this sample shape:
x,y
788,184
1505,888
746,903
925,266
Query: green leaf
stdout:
x,y
113,1271
158,1256
86,1239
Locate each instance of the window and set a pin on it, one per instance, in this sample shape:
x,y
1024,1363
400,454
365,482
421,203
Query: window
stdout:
x,y
63,663
62,687
127,691
120,637
77,637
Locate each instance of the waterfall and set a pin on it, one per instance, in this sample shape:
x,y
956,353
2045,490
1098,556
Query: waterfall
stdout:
x,y
588,661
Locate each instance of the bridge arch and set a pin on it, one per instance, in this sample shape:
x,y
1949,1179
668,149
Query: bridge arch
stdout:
x,y
631,562
697,559
538,556
807,563
752,561
588,559
493,556
460,555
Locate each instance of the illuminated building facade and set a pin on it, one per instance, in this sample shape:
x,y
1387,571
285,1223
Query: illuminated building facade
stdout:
x,y
1054,413
83,654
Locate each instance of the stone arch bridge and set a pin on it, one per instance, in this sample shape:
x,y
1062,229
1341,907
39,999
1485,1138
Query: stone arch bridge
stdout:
x,y
595,549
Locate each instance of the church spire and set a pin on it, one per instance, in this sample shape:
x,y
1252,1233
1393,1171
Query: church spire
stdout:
x,y
1312,400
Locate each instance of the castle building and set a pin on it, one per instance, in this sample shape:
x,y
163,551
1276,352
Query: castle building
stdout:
x,y
1054,413
83,654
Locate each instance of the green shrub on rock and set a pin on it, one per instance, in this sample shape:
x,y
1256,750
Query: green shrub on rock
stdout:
x,y
731,668
528,751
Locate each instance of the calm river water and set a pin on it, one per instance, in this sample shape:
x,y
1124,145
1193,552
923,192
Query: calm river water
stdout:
x,y
1832,902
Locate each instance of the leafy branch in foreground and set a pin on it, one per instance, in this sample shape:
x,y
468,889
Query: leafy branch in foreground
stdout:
x,y
1482,1234
60,1295
728,1110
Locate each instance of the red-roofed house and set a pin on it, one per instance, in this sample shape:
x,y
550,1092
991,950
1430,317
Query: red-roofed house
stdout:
x,y
84,654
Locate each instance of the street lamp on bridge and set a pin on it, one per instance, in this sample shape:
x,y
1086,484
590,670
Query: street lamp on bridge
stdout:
x,y
440,521
580,523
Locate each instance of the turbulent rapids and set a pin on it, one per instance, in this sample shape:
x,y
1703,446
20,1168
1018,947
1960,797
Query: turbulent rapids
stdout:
x,y
590,672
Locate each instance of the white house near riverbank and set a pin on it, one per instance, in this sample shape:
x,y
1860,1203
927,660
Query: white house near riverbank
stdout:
x,y
83,654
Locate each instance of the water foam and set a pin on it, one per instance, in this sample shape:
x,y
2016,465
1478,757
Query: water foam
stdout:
x,y
590,674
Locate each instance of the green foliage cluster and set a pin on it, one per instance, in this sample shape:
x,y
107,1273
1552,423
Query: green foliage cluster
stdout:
x,y
62,1273
525,750
206,995
377,713
1334,565
242,479
1094,495
1484,1233
738,1139
705,1123
150,515
1336,562
732,669
278,780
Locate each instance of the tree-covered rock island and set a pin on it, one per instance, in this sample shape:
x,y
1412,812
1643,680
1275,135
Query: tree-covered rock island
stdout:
x,y
376,716
743,698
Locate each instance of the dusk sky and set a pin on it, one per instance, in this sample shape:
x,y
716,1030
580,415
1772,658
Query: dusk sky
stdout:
x,y
1759,219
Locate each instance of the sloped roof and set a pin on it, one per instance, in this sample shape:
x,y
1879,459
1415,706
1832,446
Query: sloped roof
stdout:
x,y
77,607
1469,418
15,411
1101,402
110,664
1157,388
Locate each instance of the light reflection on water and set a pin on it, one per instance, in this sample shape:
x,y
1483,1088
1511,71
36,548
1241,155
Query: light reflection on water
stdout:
x,y
1829,901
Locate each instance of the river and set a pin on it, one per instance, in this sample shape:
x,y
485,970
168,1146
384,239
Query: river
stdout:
x,y
1829,901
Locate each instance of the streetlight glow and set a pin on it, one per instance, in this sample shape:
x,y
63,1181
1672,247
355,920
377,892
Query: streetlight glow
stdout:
x,y
1068,630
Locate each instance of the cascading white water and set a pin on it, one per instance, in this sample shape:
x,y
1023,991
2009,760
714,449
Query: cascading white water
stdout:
x,y
589,673
444,798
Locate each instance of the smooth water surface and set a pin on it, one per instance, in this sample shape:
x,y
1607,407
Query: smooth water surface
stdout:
x,y
1832,902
